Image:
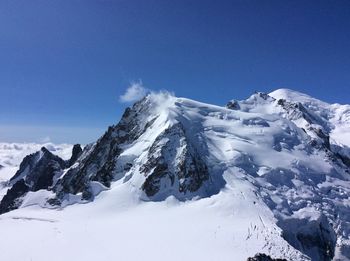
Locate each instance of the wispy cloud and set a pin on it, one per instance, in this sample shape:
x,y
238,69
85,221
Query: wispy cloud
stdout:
x,y
45,139
134,92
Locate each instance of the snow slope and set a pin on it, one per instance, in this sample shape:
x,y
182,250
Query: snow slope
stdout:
x,y
336,117
117,225
177,179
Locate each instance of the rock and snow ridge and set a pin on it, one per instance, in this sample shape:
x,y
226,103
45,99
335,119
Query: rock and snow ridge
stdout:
x,y
37,171
276,164
12,154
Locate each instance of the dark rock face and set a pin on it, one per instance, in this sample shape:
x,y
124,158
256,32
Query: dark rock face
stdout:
x,y
12,199
183,172
296,110
99,161
76,152
315,238
37,171
324,137
264,257
344,159
263,95
97,165
233,105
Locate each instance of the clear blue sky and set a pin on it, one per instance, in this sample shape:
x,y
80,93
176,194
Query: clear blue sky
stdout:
x,y
64,63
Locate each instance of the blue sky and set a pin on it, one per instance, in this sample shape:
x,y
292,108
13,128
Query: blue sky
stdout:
x,y
65,63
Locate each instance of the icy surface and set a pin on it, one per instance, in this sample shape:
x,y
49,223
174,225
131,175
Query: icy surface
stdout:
x,y
336,116
116,224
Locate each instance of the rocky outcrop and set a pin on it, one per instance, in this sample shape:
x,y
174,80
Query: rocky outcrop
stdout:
x,y
264,257
265,96
97,165
12,199
233,105
314,124
317,128
37,171
173,166
314,237
99,161
76,153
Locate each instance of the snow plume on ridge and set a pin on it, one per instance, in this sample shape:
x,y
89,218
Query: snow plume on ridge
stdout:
x,y
134,92
161,98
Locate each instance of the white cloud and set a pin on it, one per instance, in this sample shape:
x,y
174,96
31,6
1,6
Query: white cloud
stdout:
x,y
134,92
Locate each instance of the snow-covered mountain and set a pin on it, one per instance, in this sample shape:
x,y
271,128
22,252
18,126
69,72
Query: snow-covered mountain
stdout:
x,y
177,179
12,154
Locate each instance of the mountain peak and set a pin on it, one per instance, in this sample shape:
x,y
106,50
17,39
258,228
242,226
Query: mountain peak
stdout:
x,y
296,96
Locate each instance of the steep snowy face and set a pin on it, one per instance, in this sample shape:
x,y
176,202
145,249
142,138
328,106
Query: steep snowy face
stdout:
x,y
149,148
173,166
311,203
329,122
